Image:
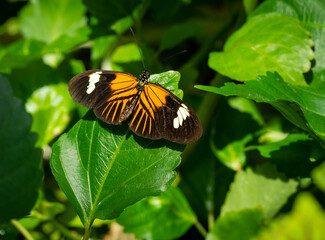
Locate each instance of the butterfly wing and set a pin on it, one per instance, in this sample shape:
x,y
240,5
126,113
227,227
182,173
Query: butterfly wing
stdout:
x,y
158,113
111,94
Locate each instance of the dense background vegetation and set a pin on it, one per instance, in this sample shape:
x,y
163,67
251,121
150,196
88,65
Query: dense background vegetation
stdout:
x,y
254,71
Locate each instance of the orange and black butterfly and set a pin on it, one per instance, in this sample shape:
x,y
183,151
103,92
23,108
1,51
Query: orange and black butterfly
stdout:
x,y
154,112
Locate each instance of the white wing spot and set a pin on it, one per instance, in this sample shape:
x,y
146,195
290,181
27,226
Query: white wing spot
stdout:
x,y
93,79
182,114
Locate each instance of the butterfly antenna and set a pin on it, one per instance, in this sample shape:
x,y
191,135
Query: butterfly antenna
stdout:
x,y
167,58
135,39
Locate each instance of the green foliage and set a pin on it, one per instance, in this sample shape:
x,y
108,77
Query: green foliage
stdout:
x,y
302,105
283,46
261,66
20,172
53,22
306,219
145,217
247,223
252,189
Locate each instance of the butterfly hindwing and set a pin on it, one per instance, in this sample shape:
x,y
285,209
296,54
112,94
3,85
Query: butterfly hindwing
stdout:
x,y
160,114
112,95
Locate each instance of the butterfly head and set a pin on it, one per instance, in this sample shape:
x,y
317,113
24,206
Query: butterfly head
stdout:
x,y
144,77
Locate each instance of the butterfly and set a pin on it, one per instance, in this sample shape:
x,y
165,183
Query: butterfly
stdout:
x,y
154,112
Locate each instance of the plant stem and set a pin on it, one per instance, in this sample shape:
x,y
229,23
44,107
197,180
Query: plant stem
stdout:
x,y
21,229
201,229
65,232
87,232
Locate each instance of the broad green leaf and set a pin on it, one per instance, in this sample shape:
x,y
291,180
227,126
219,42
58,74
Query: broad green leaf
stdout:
x,y
104,168
311,13
167,216
178,33
50,107
302,105
19,54
267,42
20,172
251,189
47,21
243,225
305,221
318,175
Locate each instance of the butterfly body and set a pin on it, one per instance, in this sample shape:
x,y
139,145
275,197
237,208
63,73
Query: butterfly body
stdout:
x,y
153,111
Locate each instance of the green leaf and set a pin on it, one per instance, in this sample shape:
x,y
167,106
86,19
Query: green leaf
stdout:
x,y
50,107
301,105
243,225
311,13
178,33
20,172
19,54
47,21
168,215
268,148
318,175
306,221
104,168
127,58
267,42
251,189
292,155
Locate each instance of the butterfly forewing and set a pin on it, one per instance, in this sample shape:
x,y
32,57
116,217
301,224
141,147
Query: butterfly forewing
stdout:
x,y
160,114
109,93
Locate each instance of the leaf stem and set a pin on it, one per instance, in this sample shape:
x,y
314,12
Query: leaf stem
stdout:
x,y
21,229
87,232
201,229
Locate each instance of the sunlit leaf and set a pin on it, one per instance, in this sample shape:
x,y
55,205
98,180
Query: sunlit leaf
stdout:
x,y
243,224
167,216
267,42
251,189
305,221
47,21
302,105
20,172
50,107
19,54
312,17
318,175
